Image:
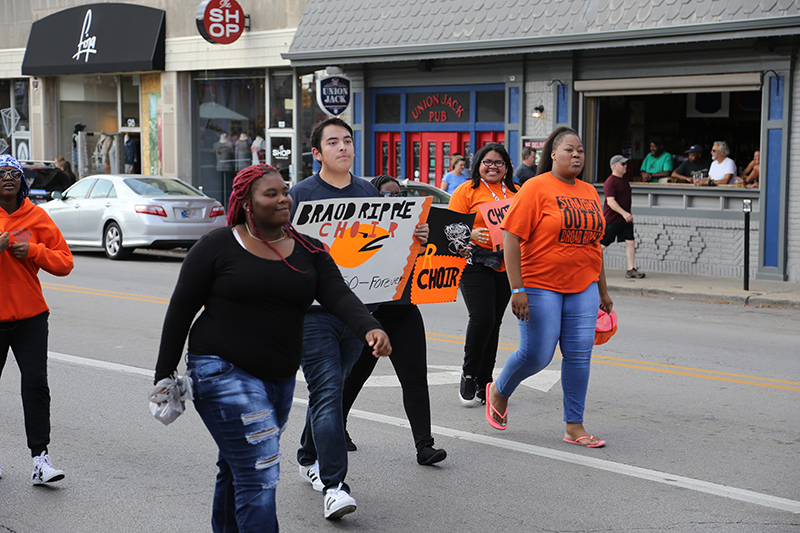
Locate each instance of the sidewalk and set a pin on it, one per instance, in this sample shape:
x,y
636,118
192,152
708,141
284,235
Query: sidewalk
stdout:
x,y
706,289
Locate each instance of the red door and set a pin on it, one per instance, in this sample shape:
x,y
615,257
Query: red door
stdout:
x,y
389,153
486,137
429,154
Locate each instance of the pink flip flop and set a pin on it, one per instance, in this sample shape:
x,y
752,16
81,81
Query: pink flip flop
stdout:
x,y
598,444
490,408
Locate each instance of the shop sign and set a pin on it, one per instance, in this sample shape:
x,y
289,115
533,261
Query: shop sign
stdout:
x,y
220,21
535,143
86,42
281,152
96,39
333,94
434,108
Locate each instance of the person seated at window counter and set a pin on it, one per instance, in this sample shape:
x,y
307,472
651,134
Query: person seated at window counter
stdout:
x,y
695,163
723,169
658,163
751,172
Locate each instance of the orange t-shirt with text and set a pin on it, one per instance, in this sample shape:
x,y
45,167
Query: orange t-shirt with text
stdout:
x,y
465,199
560,227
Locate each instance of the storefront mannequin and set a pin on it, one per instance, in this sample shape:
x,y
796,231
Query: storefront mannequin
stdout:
x,y
242,150
223,149
257,148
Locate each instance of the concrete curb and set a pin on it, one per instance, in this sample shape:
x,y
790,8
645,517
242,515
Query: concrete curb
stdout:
x,y
707,289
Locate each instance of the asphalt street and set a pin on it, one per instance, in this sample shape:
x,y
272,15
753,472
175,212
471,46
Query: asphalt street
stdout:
x,y
696,400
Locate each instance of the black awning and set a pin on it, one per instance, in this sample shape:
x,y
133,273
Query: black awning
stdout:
x,y
95,39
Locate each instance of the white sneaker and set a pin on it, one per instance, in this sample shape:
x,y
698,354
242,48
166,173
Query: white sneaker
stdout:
x,y
338,503
43,471
311,474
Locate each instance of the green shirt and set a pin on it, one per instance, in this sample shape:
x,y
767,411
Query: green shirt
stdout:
x,y
654,165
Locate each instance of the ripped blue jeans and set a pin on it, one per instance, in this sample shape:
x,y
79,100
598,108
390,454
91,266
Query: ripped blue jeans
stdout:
x,y
245,416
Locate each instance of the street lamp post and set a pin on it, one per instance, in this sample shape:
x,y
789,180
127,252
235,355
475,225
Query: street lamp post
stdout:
x,y
747,207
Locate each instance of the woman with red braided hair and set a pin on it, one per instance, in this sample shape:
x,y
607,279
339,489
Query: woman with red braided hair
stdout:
x,y
255,279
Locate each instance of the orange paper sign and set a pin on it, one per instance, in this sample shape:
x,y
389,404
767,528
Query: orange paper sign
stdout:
x,y
493,214
436,277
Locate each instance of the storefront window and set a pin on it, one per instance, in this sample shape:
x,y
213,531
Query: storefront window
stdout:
x,y
281,100
230,115
91,101
21,104
311,114
7,125
130,101
627,123
490,106
387,109
15,126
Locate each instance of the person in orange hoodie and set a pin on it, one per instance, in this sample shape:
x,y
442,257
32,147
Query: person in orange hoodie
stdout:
x,y
29,240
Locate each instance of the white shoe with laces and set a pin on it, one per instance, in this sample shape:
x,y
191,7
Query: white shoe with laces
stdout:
x,y
311,474
43,470
338,503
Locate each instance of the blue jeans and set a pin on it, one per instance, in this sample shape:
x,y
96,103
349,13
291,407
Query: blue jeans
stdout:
x,y
330,350
245,416
567,319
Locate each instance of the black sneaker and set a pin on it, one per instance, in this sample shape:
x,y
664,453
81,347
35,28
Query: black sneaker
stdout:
x,y
351,446
634,273
467,391
480,395
429,455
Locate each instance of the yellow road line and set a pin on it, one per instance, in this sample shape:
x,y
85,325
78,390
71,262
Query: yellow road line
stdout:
x,y
651,367
505,346
109,294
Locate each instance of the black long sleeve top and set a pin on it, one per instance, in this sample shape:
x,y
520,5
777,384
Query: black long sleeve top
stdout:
x,y
254,307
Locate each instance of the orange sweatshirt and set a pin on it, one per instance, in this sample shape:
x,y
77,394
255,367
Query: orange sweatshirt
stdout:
x,y
20,291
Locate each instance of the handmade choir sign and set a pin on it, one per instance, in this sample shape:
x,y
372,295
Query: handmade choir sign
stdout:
x,y
493,214
437,271
370,239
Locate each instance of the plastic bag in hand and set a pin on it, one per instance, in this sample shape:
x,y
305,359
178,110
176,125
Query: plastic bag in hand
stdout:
x,y
168,397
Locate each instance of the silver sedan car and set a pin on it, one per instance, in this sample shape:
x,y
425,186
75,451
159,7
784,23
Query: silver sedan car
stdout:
x,y
417,188
121,212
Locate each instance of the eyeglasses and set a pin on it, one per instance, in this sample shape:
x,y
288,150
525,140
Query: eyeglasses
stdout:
x,y
13,174
625,164
388,194
488,163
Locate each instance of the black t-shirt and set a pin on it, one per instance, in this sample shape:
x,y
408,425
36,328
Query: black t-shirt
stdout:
x,y
254,307
687,167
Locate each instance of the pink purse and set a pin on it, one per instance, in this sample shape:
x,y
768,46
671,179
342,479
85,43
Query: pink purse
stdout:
x,y
606,326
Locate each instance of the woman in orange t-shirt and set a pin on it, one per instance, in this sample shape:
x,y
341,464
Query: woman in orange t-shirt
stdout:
x,y
484,283
555,268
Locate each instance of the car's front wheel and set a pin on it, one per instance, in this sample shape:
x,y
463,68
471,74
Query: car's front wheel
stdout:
x,y
112,243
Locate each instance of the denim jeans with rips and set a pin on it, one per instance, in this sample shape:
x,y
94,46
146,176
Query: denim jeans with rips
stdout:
x,y
245,416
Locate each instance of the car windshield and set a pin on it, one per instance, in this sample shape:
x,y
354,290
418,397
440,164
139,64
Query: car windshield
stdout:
x,y
439,197
159,186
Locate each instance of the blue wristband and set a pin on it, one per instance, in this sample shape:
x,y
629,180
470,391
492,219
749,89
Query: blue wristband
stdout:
x,y
515,291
